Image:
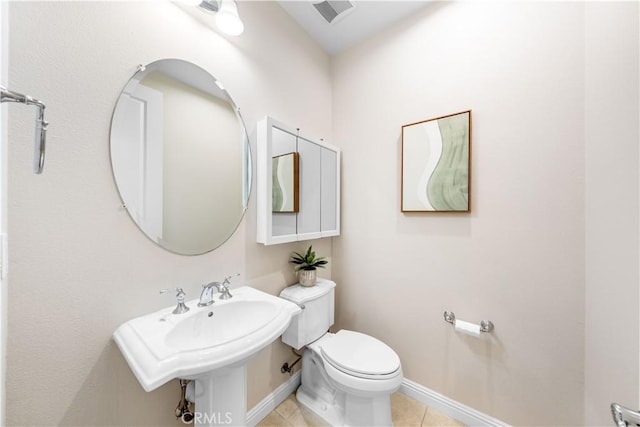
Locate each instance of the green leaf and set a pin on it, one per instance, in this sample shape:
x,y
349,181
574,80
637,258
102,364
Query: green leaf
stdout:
x,y
308,261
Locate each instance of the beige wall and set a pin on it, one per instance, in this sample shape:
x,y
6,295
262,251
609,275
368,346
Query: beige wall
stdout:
x,y
79,266
612,280
4,67
518,258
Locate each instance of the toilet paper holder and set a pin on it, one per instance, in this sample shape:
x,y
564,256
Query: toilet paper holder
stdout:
x,y
485,325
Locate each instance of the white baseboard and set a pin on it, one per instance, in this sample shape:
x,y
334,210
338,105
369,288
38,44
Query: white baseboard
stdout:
x,y
422,394
450,407
271,402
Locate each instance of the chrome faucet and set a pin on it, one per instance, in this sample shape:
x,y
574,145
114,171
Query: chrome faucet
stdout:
x,y
206,297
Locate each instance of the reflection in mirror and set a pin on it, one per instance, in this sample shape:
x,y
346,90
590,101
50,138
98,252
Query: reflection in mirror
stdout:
x,y
285,190
180,157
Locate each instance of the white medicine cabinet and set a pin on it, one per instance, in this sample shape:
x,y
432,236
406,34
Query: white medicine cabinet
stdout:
x,y
298,185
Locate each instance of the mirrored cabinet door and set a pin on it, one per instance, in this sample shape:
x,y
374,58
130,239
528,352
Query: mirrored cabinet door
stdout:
x,y
298,180
283,223
310,180
329,200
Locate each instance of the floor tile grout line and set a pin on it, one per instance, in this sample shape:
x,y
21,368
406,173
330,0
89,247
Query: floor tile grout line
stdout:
x,y
424,415
298,407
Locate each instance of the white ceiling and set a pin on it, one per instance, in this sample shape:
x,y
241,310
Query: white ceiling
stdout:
x,y
367,18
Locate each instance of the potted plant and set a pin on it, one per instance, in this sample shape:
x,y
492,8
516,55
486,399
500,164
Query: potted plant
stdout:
x,y
306,266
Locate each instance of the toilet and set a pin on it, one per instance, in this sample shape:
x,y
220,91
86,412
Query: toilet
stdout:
x,y
347,377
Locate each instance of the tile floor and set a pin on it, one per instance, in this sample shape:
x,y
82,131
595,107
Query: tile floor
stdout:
x,y
405,412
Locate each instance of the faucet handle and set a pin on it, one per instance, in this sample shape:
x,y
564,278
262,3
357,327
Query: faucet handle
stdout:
x,y
224,289
226,279
180,294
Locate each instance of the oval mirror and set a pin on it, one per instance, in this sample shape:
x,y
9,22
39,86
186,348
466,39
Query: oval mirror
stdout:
x,y
180,156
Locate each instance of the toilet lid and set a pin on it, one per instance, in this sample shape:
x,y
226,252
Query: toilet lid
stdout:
x,y
359,354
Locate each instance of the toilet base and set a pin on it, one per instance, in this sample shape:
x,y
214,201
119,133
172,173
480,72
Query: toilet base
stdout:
x,y
318,394
331,412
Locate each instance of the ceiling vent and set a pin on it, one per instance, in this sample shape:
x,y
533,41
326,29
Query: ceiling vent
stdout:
x,y
331,9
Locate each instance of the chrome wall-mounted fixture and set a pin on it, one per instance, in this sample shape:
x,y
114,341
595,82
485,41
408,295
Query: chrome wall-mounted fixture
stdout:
x,y
41,124
227,18
484,326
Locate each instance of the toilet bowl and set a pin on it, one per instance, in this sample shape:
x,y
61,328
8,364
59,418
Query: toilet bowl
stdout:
x,y
347,377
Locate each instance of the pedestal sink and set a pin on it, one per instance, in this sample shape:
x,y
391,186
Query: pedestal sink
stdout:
x,y
210,345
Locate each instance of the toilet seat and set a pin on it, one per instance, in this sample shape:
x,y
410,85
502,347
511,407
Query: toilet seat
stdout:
x,y
360,355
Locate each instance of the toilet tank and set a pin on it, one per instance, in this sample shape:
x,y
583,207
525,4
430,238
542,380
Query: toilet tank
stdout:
x,y
317,303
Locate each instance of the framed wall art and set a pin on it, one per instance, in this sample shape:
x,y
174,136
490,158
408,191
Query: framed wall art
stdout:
x,y
436,164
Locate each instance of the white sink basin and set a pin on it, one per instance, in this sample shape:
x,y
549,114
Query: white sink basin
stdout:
x,y
162,346
214,326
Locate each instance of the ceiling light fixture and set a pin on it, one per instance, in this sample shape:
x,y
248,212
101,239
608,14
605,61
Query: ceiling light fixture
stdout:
x,y
227,17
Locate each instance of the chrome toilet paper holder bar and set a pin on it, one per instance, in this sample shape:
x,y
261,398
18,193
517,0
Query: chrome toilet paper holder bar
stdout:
x,y
485,325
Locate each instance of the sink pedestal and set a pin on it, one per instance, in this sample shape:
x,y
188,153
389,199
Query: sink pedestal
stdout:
x,y
221,397
210,345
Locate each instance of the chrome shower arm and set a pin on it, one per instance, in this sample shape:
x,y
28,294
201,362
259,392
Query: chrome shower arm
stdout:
x,y
41,124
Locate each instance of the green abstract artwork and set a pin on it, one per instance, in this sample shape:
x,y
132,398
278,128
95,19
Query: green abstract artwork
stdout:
x,y
436,164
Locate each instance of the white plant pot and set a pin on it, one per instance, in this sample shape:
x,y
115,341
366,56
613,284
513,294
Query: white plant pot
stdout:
x,y
307,277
